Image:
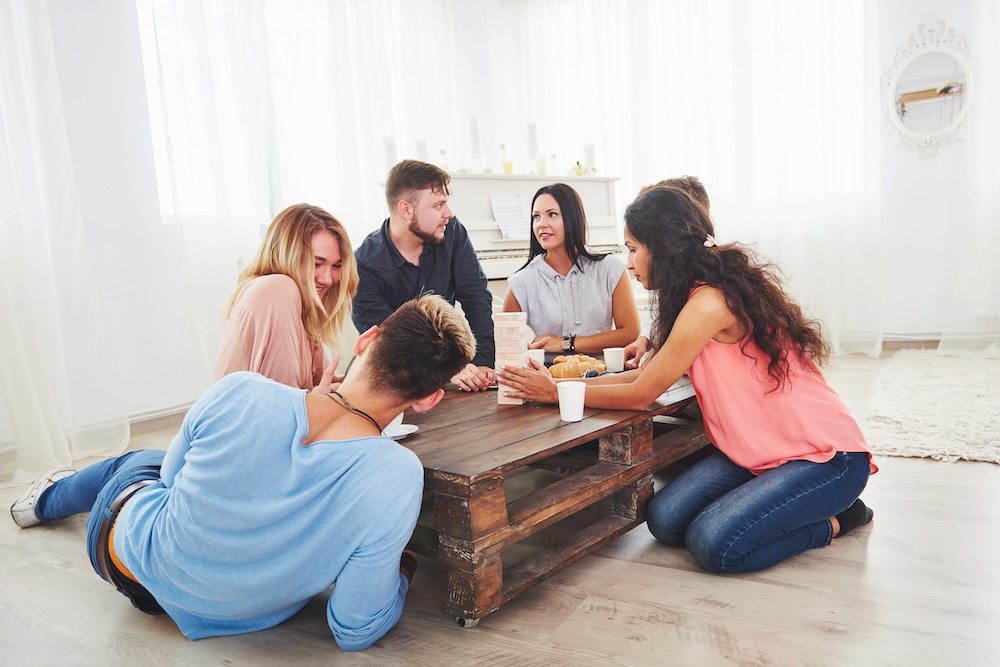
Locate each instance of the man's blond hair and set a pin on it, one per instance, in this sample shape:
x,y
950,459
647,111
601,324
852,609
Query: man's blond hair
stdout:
x,y
419,348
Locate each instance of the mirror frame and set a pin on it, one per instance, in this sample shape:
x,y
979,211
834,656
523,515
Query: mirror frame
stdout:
x,y
933,35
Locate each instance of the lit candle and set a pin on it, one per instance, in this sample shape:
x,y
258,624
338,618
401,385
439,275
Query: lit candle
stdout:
x,y
475,149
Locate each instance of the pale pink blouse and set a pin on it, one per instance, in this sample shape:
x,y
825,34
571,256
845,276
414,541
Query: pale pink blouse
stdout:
x,y
264,334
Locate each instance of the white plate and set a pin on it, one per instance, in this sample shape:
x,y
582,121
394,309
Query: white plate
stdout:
x,y
402,431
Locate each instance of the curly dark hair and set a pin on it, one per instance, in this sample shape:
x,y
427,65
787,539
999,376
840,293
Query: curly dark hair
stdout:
x,y
674,229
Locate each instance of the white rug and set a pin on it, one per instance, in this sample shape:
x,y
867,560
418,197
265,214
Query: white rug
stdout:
x,y
930,405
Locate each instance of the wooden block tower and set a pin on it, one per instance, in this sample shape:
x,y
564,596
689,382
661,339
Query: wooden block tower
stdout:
x,y
510,333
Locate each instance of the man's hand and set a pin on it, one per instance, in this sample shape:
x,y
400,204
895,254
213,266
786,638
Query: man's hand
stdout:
x,y
330,381
408,564
475,378
635,350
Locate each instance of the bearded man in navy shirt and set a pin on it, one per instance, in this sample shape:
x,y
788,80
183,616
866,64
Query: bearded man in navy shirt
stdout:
x,y
422,248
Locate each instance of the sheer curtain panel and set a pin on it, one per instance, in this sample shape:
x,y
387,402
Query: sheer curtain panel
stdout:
x,y
207,79
61,400
768,102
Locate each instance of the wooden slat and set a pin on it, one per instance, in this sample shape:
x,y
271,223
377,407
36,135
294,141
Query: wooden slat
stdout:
x,y
537,447
522,576
553,502
460,436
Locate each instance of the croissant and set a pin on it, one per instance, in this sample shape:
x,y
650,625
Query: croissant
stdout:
x,y
575,365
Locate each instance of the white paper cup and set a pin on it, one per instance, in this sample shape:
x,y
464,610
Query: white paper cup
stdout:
x,y
571,395
537,355
614,357
394,425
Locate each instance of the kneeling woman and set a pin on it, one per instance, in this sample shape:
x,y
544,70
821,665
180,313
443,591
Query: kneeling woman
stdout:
x,y
791,461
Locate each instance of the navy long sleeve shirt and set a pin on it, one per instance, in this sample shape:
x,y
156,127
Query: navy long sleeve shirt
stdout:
x,y
449,269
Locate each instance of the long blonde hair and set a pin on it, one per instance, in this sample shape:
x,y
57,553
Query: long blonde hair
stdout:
x,y
287,249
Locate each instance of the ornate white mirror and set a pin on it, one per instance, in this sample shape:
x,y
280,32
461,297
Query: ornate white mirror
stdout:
x,y
926,89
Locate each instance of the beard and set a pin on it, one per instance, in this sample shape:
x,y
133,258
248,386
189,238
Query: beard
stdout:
x,y
422,235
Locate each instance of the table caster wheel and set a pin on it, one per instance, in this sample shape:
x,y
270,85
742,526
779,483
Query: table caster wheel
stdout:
x,y
467,622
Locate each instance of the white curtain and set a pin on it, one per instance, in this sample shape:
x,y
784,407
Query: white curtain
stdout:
x,y
259,105
357,87
61,399
973,317
208,85
769,103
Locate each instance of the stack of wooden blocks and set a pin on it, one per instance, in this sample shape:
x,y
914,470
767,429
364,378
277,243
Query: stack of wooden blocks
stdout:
x,y
510,332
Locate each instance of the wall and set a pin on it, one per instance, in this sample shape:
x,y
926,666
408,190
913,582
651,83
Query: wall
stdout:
x,y
919,196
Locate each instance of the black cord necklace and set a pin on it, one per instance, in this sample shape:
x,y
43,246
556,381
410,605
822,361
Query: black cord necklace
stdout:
x,y
350,408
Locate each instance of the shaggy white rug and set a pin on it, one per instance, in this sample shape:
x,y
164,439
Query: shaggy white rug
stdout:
x,y
928,404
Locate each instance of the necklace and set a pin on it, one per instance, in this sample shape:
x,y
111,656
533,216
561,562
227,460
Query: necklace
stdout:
x,y
350,408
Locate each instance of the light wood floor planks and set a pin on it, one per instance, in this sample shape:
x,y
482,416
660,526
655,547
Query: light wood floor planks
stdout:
x,y
916,587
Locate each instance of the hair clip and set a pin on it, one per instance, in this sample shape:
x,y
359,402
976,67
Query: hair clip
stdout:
x,y
709,241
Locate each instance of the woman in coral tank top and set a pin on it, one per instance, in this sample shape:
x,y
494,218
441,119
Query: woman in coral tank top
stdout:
x,y
789,461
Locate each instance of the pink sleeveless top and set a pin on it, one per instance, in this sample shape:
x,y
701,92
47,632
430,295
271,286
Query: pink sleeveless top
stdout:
x,y
265,334
804,420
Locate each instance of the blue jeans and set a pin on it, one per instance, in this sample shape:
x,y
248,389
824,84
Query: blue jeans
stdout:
x,y
94,488
734,521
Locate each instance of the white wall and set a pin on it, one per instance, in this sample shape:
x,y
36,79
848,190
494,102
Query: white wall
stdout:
x,y
919,196
137,258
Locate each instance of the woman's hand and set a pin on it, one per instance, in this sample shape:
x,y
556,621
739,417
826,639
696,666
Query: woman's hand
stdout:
x,y
330,381
547,342
635,351
533,383
539,342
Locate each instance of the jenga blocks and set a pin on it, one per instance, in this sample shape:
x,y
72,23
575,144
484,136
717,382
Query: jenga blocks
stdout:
x,y
510,334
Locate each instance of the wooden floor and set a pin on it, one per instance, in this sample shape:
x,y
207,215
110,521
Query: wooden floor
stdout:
x,y
918,586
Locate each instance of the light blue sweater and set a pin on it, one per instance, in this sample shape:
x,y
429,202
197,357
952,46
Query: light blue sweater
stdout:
x,y
248,525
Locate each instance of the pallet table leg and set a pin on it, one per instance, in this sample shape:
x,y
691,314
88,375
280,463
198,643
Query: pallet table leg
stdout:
x,y
629,445
631,501
476,591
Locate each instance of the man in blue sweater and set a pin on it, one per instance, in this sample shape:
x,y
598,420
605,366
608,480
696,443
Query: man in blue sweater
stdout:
x,y
422,247
269,495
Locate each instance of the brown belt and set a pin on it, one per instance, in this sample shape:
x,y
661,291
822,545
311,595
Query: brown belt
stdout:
x,y
105,536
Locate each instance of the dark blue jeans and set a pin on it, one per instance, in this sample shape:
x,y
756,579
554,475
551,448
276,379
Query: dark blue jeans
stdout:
x,y
734,521
94,489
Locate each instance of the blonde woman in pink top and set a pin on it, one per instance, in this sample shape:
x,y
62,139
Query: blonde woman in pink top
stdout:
x,y
291,300
789,460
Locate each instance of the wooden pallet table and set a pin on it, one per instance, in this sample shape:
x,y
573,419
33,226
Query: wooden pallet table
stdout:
x,y
469,446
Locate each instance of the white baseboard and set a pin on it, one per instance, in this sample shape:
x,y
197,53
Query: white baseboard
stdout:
x,y
154,420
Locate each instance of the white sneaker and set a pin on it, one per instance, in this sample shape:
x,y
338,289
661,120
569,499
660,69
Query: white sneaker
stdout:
x,y
23,509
